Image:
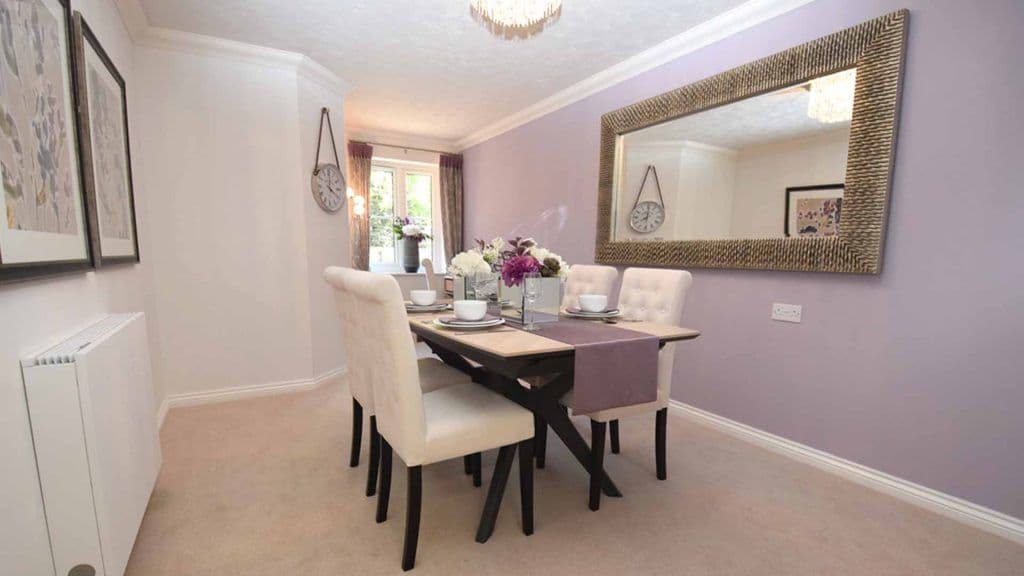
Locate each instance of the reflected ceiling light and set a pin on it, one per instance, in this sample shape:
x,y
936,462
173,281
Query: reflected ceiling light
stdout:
x,y
831,98
515,19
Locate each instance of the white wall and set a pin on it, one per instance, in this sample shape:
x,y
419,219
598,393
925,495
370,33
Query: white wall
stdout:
x,y
327,241
228,136
38,313
763,173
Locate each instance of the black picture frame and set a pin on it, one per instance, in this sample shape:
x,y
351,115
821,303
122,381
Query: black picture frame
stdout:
x,y
23,271
85,38
794,189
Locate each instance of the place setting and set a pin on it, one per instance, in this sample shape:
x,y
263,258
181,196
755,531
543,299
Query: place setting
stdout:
x,y
469,315
592,307
425,301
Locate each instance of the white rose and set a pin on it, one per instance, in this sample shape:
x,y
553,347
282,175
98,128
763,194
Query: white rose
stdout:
x,y
411,230
469,263
498,244
541,254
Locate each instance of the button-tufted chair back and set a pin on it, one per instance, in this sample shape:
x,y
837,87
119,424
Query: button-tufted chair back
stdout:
x,y
588,279
380,356
656,295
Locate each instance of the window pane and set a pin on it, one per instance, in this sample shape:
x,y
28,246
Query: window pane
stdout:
x,y
382,214
418,207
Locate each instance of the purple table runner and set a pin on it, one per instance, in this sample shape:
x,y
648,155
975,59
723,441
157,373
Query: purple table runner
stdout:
x,y
614,367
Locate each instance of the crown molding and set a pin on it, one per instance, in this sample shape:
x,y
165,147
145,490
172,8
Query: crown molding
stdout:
x,y
397,140
201,45
133,16
740,18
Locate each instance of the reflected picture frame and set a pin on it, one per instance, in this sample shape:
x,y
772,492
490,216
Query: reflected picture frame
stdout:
x,y
877,49
30,249
105,151
828,196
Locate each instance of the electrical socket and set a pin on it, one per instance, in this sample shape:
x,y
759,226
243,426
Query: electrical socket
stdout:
x,y
787,312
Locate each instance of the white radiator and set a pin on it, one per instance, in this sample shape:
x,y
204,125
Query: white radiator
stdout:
x,y
90,401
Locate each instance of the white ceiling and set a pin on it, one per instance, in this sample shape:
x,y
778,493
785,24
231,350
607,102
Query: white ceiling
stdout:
x,y
773,117
425,67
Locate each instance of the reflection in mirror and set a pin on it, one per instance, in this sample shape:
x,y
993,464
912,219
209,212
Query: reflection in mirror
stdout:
x,y
769,166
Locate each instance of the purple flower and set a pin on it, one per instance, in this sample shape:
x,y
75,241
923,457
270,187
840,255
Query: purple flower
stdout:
x,y
517,267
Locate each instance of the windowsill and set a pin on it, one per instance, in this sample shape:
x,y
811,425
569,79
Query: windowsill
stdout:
x,y
399,271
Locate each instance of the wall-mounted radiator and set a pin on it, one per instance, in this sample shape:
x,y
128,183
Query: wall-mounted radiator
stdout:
x,y
90,401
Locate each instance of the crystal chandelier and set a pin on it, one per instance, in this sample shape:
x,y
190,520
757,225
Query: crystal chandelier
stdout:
x,y
515,19
831,98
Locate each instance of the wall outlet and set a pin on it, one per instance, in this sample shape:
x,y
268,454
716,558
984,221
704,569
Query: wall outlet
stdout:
x,y
787,312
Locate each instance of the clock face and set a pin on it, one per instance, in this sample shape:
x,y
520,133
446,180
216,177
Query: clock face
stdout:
x,y
329,187
647,217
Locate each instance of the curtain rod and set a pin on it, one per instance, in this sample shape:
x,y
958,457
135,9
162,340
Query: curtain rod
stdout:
x,y
407,148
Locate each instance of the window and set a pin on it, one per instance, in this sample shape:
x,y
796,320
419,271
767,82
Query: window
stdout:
x,y
400,190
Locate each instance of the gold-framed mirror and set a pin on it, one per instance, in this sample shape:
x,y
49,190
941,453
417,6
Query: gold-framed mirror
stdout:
x,y
781,164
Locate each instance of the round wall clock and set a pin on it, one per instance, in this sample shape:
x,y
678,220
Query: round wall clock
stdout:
x,y
648,216
329,187
328,182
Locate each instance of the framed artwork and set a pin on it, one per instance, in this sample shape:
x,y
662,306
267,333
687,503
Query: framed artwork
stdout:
x,y
43,230
106,158
813,211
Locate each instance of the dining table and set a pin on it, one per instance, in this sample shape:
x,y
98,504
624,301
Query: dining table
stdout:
x,y
530,369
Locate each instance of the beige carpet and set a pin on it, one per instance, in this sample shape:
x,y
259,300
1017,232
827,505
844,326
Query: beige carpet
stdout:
x,y
263,487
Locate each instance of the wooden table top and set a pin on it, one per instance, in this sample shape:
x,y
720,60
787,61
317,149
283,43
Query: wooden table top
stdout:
x,y
508,342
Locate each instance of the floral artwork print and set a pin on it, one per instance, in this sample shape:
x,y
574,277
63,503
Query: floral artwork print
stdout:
x,y
110,163
36,163
818,216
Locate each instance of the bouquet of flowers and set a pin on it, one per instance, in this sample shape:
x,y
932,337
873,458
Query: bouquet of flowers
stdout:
x,y
514,259
405,228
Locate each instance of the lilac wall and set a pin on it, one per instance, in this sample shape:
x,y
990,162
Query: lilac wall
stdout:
x,y
918,372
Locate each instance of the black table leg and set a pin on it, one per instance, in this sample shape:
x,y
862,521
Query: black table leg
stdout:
x,y
540,438
613,434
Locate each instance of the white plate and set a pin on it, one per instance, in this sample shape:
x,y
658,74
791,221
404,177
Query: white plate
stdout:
x,y
470,325
594,315
431,308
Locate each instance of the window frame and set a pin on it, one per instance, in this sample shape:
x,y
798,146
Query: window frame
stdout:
x,y
399,169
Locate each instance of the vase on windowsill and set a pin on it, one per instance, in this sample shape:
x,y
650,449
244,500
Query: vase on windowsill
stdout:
x,y
411,235
410,254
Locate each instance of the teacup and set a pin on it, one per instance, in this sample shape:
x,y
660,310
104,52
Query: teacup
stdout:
x,y
593,302
470,310
423,297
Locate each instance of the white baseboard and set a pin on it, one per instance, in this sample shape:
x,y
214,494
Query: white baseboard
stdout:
x,y
956,508
242,392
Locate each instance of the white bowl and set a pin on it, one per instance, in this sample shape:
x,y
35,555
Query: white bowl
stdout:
x,y
423,297
471,310
593,302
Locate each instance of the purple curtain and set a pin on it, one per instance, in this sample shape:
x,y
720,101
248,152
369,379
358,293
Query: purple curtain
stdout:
x,y
451,203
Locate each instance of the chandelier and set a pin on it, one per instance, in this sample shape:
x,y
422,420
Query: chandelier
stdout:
x,y
831,97
515,19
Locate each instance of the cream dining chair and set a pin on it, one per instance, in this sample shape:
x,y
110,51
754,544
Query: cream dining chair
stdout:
x,y
646,295
426,416
582,279
433,375
433,282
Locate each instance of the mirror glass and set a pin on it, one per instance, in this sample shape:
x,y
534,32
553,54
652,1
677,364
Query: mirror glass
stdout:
x,y
769,166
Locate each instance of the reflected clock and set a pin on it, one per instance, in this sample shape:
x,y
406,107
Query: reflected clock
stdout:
x,y
648,216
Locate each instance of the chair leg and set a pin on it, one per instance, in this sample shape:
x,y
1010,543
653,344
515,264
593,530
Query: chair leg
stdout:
x,y
540,439
412,517
467,464
613,432
475,466
494,494
526,484
357,432
371,475
384,492
597,462
660,425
